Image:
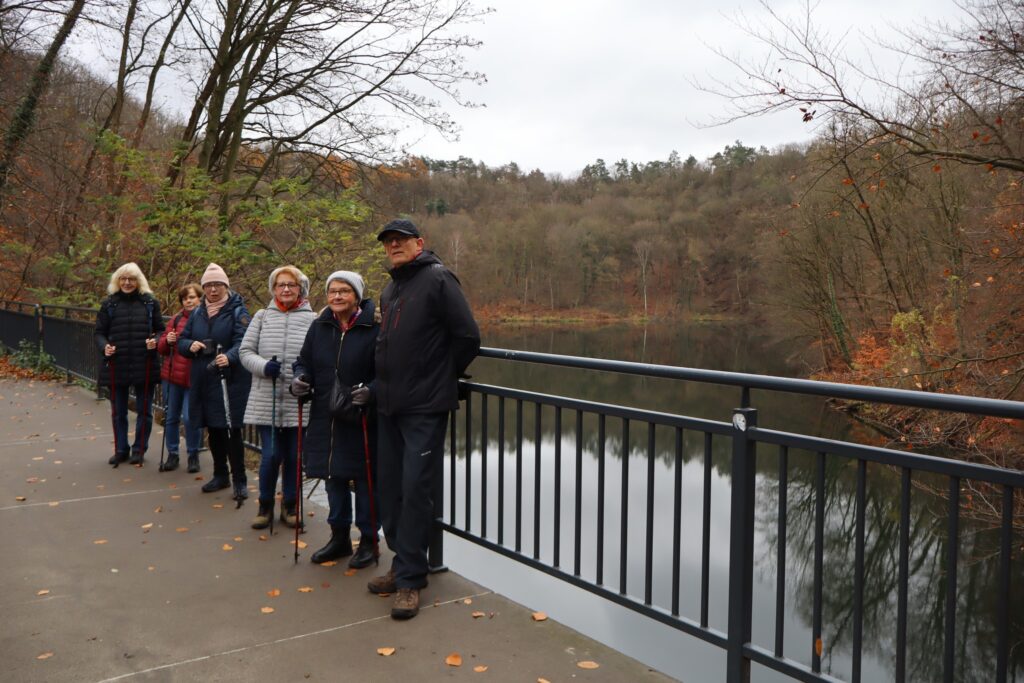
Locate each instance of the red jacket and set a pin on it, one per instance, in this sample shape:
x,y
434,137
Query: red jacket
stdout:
x,y
177,368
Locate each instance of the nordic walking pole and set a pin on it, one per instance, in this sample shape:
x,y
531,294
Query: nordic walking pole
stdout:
x,y
142,412
298,483
113,405
369,485
170,373
273,429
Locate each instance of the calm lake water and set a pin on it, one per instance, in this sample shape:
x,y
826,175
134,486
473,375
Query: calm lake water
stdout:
x,y
740,349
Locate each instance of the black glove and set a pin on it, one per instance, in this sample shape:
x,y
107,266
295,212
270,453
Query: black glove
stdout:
x,y
272,369
300,387
360,396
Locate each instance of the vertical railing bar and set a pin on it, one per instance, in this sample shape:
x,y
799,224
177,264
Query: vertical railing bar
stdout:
x,y
624,509
483,465
677,520
501,470
519,475
1003,609
469,461
903,580
600,498
780,552
705,545
557,531
537,435
452,470
649,541
578,502
819,554
952,547
858,571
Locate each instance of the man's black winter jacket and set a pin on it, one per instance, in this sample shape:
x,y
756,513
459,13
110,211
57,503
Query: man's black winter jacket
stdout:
x,y
427,339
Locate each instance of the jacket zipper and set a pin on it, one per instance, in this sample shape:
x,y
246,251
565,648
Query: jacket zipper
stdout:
x,y
337,361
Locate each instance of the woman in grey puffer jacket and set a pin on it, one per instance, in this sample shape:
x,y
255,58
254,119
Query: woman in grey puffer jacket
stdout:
x,y
272,342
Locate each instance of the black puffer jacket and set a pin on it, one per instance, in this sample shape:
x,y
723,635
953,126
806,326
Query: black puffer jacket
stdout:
x,y
126,321
335,448
205,396
427,339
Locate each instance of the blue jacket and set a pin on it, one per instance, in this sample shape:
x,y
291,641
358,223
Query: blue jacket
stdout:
x,y
332,447
206,397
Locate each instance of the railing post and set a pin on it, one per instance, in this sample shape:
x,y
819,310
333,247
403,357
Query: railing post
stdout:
x,y
741,545
435,549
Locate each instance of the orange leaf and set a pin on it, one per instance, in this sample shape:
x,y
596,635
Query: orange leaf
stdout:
x,y
148,526
263,537
266,610
218,506
351,572
467,601
847,181
54,503
45,591
45,655
454,659
587,665
20,499
937,168
817,646
227,547
274,592
181,529
480,669
477,615
238,538
539,616
100,541
385,651
328,563
305,589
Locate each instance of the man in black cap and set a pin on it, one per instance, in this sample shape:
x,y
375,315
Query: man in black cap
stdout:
x,y
427,339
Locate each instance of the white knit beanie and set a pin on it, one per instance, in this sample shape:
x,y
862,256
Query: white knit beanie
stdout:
x,y
355,280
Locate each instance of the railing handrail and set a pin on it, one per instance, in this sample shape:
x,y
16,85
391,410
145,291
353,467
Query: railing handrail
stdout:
x,y
974,405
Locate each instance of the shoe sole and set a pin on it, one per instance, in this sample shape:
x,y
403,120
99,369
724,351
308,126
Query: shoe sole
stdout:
x,y
402,614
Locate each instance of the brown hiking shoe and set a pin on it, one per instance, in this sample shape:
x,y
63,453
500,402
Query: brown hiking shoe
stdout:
x,y
406,604
383,584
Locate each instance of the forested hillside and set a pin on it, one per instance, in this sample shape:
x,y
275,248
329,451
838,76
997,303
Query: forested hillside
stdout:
x,y
892,241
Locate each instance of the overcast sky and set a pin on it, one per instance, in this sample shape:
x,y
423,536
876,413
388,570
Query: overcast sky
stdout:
x,y
570,81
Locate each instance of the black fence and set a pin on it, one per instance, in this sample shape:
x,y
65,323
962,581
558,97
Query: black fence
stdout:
x,y
541,508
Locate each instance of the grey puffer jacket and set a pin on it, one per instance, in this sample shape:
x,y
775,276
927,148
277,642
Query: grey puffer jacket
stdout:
x,y
274,332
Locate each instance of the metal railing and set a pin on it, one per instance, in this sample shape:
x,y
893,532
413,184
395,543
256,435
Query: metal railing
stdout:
x,y
495,410
520,514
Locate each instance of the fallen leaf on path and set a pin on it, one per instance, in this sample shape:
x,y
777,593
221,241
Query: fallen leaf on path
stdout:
x,y
181,529
20,499
218,506
302,544
385,651
266,610
263,537
328,563
477,615
58,462
454,659
539,616
176,496
125,481
158,509
588,665
38,457
45,655
543,680
238,539
151,568
305,589
227,547
274,592
467,601
480,669
100,541
54,503
51,450
45,591
32,480
351,572
148,526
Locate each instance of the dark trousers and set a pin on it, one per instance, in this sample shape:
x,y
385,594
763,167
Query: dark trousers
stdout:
x,y
339,499
410,451
143,421
226,447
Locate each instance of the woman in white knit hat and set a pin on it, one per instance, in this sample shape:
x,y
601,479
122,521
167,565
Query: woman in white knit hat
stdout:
x,y
342,451
268,350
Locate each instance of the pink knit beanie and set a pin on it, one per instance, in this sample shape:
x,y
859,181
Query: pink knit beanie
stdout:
x,y
214,273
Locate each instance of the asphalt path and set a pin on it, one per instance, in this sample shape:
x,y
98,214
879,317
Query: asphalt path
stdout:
x,y
130,574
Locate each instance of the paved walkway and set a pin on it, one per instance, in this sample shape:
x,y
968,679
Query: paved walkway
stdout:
x,y
130,574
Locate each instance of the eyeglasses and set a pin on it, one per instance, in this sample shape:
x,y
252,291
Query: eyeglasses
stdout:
x,y
287,285
341,291
389,240
214,285
127,278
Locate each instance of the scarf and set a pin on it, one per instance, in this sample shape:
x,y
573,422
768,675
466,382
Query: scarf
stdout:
x,y
295,304
214,309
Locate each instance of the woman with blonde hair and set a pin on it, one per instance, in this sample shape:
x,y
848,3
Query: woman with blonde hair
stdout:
x,y
127,325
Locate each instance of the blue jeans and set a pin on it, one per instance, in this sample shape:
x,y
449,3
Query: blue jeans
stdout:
x,y
339,500
280,456
143,421
176,405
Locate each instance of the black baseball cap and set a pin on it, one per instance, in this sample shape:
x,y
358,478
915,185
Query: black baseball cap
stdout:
x,y
401,225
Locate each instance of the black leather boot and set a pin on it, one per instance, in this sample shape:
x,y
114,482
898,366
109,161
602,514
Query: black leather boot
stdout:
x,y
216,484
136,458
117,458
240,491
365,554
170,464
193,463
339,546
